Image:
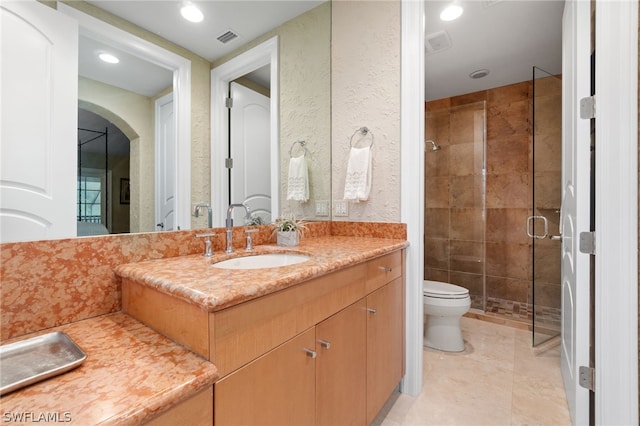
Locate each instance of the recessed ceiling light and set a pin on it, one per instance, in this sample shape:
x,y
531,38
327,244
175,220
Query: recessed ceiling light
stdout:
x,y
451,12
109,58
479,73
191,13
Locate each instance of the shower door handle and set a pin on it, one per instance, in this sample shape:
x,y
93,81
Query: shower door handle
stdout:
x,y
530,220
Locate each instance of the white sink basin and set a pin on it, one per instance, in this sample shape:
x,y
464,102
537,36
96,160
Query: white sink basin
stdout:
x,y
268,260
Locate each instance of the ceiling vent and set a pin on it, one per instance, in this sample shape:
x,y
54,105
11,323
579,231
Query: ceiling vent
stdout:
x,y
436,42
227,36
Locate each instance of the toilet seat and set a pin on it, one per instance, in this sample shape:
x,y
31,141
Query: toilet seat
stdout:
x,y
442,290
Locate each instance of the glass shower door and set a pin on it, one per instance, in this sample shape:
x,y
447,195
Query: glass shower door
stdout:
x,y
547,195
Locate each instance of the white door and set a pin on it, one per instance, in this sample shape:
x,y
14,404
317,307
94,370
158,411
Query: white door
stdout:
x,y
39,91
250,177
576,78
166,152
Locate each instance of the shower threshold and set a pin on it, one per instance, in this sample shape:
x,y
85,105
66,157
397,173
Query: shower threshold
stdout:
x,y
515,314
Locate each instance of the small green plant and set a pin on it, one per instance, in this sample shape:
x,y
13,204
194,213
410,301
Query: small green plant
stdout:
x,y
289,223
288,230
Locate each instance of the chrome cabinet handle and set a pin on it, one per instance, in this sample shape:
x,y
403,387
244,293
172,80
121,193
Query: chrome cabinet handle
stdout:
x,y
311,354
555,237
385,268
372,311
324,343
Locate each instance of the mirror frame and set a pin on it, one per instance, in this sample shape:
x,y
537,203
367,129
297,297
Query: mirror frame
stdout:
x,y
265,53
99,30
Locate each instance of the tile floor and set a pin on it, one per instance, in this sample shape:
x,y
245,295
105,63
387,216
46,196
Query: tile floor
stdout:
x,y
497,380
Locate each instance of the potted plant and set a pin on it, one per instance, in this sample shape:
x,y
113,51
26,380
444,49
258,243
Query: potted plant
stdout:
x,y
288,230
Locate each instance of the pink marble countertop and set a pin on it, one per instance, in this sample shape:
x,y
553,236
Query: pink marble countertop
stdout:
x,y
131,374
193,279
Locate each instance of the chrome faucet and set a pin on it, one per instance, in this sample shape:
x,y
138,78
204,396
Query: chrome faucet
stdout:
x,y
196,213
229,224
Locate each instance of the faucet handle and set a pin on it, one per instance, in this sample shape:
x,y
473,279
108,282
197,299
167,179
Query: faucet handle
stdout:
x,y
249,238
208,247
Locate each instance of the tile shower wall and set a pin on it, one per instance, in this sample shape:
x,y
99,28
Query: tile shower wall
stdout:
x,y
508,267
454,194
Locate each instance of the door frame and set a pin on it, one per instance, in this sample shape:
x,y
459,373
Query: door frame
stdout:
x,y
616,260
265,53
576,186
181,67
617,397
412,184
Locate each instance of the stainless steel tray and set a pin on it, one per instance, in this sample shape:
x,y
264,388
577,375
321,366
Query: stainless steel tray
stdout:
x,y
32,360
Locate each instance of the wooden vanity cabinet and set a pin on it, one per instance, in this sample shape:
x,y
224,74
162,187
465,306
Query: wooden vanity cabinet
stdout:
x,y
385,344
276,389
195,411
318,377
340,371
329,350
341,367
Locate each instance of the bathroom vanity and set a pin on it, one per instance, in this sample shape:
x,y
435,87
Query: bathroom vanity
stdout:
x,y
319,342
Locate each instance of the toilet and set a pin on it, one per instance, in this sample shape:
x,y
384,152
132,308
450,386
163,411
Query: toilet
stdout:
x,y
444,305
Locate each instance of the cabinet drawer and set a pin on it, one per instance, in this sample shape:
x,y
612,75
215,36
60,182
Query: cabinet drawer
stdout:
x,y
243,332
383,270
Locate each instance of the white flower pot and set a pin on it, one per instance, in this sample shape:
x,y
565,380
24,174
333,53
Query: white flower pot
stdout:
x,y
288,238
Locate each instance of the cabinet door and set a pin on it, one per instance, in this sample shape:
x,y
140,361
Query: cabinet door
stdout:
x,y
341,367
275,389
385,349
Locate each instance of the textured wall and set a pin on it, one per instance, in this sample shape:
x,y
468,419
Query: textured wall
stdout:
x,y
305,102
365,61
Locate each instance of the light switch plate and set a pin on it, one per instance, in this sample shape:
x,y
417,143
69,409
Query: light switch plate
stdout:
x,y
341,207
322,208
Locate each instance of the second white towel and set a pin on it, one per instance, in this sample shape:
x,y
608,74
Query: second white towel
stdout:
x,y
357,184
298,181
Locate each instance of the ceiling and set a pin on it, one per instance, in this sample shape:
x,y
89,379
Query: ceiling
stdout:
x,y
506,37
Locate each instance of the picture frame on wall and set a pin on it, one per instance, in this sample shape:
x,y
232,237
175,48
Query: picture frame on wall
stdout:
x,y
125,191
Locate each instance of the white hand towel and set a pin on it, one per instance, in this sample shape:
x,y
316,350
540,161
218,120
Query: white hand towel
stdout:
x,y
358,182
298,182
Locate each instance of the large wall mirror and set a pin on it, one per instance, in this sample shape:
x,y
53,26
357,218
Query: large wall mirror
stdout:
x,y
292,66
134,134
301,80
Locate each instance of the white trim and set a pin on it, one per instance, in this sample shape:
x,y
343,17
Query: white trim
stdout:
x,y
616,322
101,31
576,194
259,56
411,184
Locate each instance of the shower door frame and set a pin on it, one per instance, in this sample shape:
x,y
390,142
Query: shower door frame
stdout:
x,y
549,236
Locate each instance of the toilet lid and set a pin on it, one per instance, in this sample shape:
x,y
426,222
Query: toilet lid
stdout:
x,y
443,290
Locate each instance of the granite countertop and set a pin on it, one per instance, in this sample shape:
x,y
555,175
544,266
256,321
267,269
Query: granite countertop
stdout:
x,y
193,279
131,374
